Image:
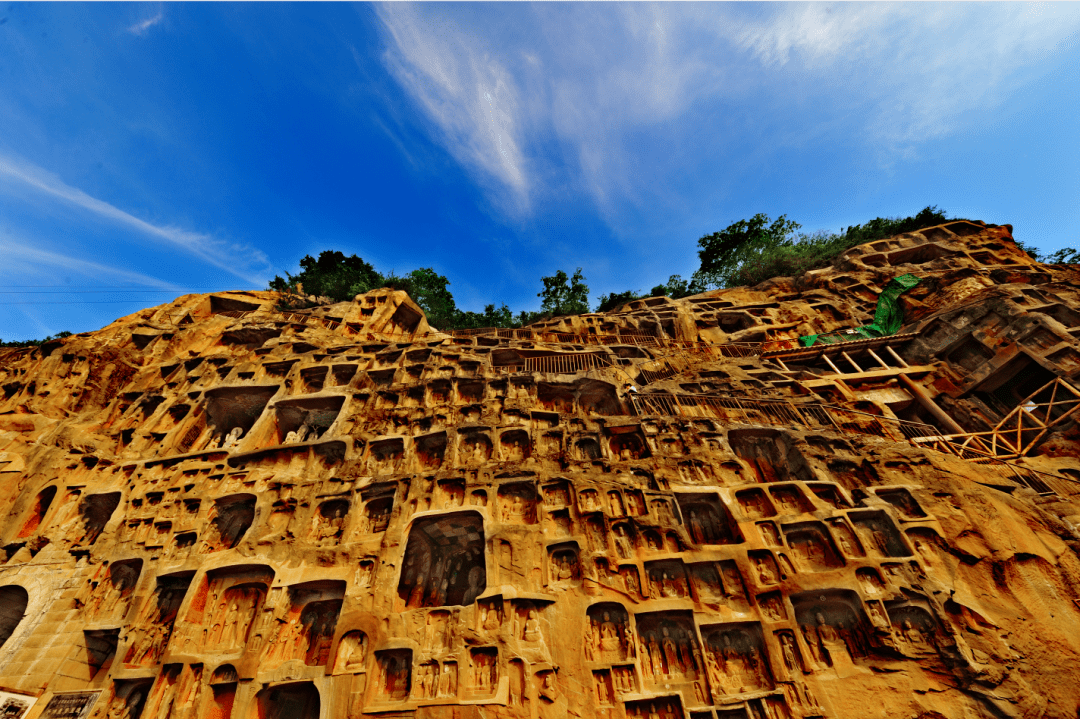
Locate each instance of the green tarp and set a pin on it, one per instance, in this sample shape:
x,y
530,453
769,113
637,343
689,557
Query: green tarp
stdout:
x,y
888,317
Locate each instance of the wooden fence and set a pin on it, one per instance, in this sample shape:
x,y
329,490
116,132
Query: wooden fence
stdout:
x,y
813,416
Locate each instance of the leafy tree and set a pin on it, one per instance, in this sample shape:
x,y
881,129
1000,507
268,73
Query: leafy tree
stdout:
x,y
564,296
525,317
610,302
332,275
490,317
339,277
35,343
751,251
882,227
1064,256
430,290
677,288
722,253
1031,250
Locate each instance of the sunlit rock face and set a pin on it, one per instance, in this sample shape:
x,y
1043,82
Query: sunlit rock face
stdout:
x,y
213,508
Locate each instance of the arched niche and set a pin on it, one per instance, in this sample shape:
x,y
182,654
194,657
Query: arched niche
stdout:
x,y
37,514
13,600
351,653
708,520
223,684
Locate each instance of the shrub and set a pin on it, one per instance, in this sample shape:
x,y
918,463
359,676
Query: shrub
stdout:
x,y
749,252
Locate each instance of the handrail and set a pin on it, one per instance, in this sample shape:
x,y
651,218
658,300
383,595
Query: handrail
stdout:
x,y
564,363
1022,428
772,412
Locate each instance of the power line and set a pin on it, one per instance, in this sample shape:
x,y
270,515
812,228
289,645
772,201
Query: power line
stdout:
x,y
86,302
114,287
76,292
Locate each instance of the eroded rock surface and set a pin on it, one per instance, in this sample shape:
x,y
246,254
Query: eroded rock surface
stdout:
x,y
214,509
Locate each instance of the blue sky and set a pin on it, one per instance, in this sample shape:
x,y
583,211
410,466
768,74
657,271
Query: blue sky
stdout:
x,y
147,150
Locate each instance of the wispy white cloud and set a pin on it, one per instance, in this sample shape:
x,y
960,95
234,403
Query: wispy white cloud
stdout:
x,y
142,26
22,259
922,65
467,93
238,259
610,82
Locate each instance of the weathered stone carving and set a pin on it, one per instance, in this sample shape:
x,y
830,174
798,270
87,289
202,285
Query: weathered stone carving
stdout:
x,y
342,512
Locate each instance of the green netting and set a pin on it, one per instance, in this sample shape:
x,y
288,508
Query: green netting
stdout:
x,y
888,316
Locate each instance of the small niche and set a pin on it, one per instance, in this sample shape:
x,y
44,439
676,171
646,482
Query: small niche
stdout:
x,y
790,500
563,563
298,700
313,378
517,503
628,443
305,420
96,510
431,450
812,546
231,519
830,494
878,532
475,446
38,512
236,408
395,674
516,445
707,519
755,504
903,501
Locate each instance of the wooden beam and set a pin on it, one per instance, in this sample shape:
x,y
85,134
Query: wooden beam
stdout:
x,y
830,363
848,358
874,355
923,398
896,356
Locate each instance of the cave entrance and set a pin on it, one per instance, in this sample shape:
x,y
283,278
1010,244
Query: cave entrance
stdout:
x,y
1012,383
444,561
289,701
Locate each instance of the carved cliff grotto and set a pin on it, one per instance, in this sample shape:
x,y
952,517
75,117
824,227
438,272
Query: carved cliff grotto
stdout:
x,y
675,509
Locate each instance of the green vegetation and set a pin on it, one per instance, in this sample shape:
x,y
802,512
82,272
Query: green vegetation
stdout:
x,y
339,278
35,343
752,251
745,253
560,298
1064,256
724,255
675,288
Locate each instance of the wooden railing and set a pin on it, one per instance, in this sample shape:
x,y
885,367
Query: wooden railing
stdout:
x,y
813,416
565,363
1022,428
539,335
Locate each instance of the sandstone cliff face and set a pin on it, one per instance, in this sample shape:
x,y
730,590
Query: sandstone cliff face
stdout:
x,y
213,509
